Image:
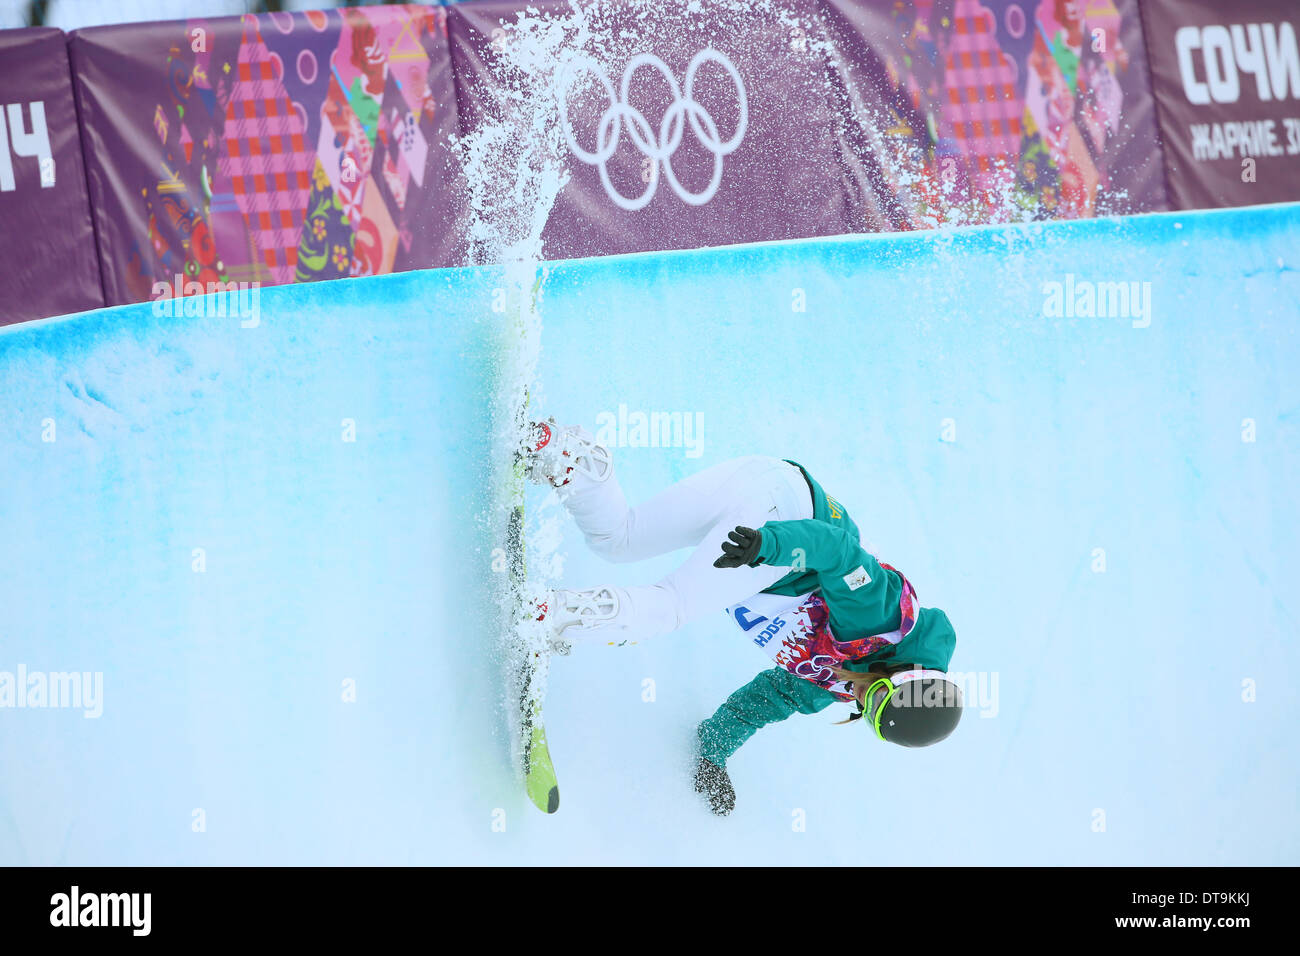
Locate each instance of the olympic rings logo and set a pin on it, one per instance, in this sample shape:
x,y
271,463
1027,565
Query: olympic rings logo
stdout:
x,y
659,150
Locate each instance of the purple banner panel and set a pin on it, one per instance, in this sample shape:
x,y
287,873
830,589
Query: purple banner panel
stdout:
x,y
677,125
684,125
46,238
1227,84
1002,110
268,149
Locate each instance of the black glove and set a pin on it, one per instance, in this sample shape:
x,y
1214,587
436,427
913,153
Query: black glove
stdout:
x,y
712,781
743,551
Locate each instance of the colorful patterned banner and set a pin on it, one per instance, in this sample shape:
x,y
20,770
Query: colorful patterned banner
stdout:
x,y
293,147
47,243
1003,110
268,149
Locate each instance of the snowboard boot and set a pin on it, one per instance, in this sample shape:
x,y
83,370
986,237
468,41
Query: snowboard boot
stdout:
x,y
580,617
555,453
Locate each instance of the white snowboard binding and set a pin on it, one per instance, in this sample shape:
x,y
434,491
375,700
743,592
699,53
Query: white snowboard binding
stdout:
x,y
579,617
556,453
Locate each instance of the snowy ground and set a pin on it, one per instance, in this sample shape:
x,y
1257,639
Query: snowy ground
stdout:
x,y
1138,714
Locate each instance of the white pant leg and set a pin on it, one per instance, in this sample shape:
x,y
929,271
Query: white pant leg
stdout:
x,y
677,517
696,512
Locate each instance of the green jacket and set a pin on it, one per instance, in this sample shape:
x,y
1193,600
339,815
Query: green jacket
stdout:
x,y
826,555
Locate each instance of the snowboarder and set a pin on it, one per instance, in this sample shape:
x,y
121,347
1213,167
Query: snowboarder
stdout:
x,y
792,574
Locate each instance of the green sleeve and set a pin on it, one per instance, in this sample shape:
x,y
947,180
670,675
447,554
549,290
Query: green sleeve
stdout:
x,y
771,696
862,596
811,545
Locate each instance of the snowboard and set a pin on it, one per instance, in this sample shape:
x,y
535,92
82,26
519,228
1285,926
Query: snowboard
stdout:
x,y
539,772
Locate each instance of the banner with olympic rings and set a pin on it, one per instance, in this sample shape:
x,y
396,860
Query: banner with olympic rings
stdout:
x,y
716,122
294,147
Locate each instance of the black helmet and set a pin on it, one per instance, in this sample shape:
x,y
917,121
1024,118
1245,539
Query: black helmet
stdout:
x,y
913,708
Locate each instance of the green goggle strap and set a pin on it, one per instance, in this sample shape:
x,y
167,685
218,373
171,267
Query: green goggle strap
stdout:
x,y
875,717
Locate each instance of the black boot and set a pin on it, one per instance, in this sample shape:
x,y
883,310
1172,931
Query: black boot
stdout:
x,y
712,781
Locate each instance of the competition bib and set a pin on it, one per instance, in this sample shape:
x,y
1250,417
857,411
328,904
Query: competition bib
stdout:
x,y
795,632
